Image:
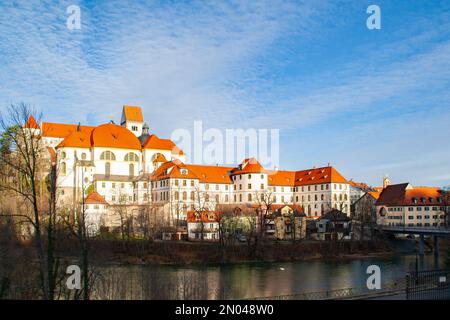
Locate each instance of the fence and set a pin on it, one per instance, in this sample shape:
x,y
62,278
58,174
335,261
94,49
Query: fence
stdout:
x,y
428,285
345,293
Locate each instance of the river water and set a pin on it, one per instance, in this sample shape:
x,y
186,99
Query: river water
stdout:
x,y
250,280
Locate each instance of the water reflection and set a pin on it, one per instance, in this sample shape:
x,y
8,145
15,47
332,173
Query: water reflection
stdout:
x,y
248,280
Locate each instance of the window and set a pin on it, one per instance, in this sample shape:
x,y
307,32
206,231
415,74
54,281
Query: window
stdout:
x,y
177,195
134,128
107,155
226,198
192,195
83,156
184,195
249,176
249,198
113,185
122,185
131,170
249,186
63,168
262,176
217,198
410,208
131,157
192,183
107,169
103,185
217,187
63,155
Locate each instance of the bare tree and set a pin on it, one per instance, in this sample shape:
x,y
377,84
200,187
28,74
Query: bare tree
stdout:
x,y
24,155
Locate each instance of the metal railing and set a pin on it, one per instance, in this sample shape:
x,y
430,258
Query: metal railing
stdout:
x,y
428,285
345,293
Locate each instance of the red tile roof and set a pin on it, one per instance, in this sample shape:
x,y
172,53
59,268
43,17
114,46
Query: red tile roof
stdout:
x,y
95,198
153,142
31,123
250,165
60,130
305,177
133,113
114,136
211,174
405,195
77,139
205,216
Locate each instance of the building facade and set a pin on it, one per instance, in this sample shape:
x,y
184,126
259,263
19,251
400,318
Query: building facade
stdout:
x,y
128,166
405,205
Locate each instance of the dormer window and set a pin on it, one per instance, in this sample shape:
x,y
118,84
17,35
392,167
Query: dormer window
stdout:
x,y
422,200
184,171
430,199
414,200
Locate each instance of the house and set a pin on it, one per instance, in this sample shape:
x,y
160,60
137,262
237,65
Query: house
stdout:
x,y
96,209
202,226
287,222
405,205
334,225
364,208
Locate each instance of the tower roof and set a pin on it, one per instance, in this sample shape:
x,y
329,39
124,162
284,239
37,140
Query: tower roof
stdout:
x,y
132,113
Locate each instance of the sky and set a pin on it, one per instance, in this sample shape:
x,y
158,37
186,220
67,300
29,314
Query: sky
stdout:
x,y
370,102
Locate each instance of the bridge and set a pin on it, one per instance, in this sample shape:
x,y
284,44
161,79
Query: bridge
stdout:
x,y
421,231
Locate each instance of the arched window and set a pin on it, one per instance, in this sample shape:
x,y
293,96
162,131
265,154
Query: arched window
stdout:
x,y
107,155
131,157
63,168
321,197
83,156
131,170
184,195
345,197
192,195
177,195
107,169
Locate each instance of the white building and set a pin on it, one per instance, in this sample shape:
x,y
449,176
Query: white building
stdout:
x,y
405,205
126,165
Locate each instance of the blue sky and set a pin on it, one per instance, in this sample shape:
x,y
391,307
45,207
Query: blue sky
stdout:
x,y
371,102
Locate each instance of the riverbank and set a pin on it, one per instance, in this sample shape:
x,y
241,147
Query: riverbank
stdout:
x,y
178,253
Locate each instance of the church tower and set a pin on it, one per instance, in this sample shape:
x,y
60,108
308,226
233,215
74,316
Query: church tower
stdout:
x,y
132,119
386,181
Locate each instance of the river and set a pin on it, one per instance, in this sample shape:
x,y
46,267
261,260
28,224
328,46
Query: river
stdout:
x,y
249,280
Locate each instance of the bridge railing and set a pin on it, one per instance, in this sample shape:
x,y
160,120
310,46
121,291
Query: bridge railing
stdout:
x,y
344,293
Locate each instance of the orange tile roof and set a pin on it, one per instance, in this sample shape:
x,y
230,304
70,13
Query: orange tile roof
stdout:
x,y
211,174
305,177
77,139
250,165
60,130
153,142
31,123
205,174
95,197
374,194
160,158
206,216
281,178
133,113
114,136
